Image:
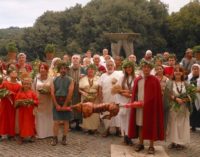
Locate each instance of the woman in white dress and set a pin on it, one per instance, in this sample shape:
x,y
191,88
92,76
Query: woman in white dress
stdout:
x,y
44,115
88,87
178,128
124,96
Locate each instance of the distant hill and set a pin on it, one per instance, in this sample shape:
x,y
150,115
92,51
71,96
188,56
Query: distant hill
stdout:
x,y
11,32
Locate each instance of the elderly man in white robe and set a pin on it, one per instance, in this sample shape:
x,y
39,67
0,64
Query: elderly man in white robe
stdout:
x,y
106,81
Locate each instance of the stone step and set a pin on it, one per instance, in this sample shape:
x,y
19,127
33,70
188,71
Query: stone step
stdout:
x,y
127,151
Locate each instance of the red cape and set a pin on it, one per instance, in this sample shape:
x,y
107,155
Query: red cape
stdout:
x,y
153,119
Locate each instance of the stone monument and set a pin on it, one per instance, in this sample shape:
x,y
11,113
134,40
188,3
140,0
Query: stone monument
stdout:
x,y
122,40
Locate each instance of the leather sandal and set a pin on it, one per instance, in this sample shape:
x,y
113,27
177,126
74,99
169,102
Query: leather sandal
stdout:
x,y
151,150
172,146
54,141
179,147
139,147
106,134
64,140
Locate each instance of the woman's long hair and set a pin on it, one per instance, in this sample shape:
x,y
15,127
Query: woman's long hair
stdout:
x,y
125,78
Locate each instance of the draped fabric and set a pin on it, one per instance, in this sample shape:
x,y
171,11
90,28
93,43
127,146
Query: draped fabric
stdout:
x,y
7,109
153,117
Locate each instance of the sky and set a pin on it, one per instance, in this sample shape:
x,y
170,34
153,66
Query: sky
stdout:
x,y
23,13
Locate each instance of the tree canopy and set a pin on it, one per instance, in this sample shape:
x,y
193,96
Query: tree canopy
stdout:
x,y
78,28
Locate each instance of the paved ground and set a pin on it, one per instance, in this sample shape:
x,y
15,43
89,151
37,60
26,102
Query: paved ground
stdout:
x,y
84,145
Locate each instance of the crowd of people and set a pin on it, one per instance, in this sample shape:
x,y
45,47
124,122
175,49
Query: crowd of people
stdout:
x,y
168,94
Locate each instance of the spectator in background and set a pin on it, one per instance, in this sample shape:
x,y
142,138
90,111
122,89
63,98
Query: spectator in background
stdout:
x,y
169,70
103,57
76,72
196,51
86,62
132,58
88,55
21,65
53,71
188,61
66,59
165,58
100,68
118,63
158,61
148,56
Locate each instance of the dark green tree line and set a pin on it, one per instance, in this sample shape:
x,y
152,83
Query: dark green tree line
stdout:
x,y
78,28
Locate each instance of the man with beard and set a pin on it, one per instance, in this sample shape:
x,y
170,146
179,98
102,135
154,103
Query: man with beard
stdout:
x,y
61,92
76,72
106,81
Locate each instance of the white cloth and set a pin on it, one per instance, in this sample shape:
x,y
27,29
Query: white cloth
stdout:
x,y
197,100
124,113
105,82
178,127
44,114
139,111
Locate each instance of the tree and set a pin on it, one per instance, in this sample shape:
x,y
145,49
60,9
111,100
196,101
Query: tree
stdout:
x,y
78,28
183,28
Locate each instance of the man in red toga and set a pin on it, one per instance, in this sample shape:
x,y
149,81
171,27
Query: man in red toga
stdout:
x,y
147,122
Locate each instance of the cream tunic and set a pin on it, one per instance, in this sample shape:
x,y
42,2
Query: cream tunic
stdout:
x,y
178,128
92,122
44,114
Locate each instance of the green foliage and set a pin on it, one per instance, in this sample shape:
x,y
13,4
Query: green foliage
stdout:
x,y
11,47
183,28
13,34
196,49
78,28
50,48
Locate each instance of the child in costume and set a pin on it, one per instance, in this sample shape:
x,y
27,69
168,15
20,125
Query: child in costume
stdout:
x,y
26,100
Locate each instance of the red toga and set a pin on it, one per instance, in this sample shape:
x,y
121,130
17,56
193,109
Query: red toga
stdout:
x,y
7,109
153,117
26,117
